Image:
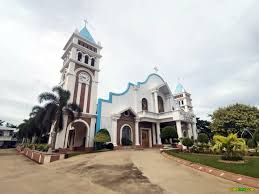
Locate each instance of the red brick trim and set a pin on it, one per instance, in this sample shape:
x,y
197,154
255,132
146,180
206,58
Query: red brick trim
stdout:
x,y
242,179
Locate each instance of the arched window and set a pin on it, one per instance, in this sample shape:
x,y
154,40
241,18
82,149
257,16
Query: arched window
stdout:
x,y
144,104
92,62
86,59
126,136
79,56
160,104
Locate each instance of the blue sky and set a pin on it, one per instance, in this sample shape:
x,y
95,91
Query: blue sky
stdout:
x,y
212,46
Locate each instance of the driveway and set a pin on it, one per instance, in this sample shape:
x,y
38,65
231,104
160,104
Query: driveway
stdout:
x,y
143,172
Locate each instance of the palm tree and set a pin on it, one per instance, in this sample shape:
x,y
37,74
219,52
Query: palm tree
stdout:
x,y
231,145
56,107
41,121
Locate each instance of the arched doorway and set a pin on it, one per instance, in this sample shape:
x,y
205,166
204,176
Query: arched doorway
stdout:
x,y
77,135
126,135
160,104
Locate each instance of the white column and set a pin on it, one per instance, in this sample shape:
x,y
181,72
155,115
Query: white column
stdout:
x,y
190,134
158,133
93,98
90,137
154,134
78,93
155,100
114,131
150,138
86,98
194,128
179,129
137,132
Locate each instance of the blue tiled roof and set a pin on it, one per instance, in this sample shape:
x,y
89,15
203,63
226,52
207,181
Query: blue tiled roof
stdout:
x,y
179,89
86,34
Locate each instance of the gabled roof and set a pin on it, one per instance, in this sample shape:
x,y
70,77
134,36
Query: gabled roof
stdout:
x,y
86,34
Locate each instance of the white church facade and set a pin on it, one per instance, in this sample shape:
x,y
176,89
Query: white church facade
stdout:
x,y
134,117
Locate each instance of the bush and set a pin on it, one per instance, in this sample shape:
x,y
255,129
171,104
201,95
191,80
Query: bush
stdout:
x,y
235,157
41,147
110,146
102,136
169,132
187,142
203,138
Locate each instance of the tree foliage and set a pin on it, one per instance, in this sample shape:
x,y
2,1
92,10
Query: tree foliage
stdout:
x,y
230,145
169,132
55,106
203,126
102,136
203,138
1,122
234,118
187,142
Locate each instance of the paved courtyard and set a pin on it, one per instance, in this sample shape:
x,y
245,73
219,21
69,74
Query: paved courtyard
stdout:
x,y
143,172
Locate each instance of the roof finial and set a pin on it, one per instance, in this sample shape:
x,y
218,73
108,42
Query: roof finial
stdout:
x,y
86,21
156,69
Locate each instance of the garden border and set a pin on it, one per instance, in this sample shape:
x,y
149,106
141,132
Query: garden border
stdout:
x,y
40,157
242,179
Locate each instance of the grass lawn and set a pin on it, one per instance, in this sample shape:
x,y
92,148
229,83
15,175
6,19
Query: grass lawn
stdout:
x,y
249,168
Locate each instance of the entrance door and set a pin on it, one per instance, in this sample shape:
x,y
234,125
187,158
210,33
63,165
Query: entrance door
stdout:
x,y
145,138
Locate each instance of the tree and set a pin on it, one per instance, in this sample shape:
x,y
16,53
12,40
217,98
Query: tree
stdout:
x,y
10,125
169,132
1,122
203,138
232,146
187,142
56,107
234,118
102,136
204,127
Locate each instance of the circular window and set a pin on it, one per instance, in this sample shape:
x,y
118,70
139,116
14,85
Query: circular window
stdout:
x,y
127,113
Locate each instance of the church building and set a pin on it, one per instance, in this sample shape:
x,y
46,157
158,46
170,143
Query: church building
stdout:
x,y
133,118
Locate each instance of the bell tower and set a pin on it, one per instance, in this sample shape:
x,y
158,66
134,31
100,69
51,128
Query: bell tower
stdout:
x,y
183,98
80,70
79,75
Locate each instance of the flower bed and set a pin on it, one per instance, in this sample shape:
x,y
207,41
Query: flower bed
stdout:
x,y
40,157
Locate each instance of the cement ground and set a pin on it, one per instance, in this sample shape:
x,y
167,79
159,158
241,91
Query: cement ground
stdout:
x,y
136,172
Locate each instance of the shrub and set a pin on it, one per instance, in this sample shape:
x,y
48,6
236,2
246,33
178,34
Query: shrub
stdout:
x,y
231,146
42,147
203,138
110,146
187,142
102,136
234,157
169,132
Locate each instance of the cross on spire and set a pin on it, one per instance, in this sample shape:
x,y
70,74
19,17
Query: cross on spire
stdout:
x,y
156,69
86,22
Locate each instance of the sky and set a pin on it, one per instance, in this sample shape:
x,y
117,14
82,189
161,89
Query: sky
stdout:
x,y
210,46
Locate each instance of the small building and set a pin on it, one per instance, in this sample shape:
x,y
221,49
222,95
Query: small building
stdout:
x,y
7,137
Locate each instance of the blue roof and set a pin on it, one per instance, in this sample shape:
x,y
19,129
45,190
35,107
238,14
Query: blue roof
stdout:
x,y
86,34
179,89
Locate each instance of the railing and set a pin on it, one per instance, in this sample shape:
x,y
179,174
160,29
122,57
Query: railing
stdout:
x,y
176,115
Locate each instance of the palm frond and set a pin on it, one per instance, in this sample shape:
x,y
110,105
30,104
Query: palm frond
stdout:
x,y
47,96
